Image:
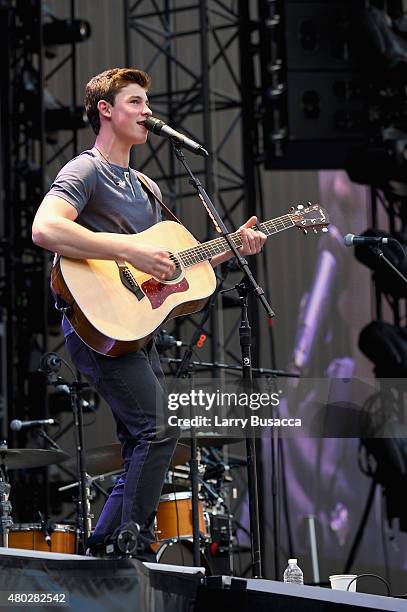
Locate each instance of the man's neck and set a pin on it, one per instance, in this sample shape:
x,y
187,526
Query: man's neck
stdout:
x,y
115,152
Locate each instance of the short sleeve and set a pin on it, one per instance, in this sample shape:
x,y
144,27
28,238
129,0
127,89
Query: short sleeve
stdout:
x,y
76,182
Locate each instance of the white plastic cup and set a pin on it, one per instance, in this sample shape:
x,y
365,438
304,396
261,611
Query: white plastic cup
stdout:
x,y
341,581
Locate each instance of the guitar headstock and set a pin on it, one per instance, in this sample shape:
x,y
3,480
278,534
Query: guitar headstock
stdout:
x,y
308,217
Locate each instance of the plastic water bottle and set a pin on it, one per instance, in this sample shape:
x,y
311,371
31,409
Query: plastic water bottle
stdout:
x,y
293,573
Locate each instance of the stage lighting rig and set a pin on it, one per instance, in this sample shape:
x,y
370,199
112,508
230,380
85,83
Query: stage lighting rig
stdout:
x,y
380,45
65,31
385,345
382,162
65,118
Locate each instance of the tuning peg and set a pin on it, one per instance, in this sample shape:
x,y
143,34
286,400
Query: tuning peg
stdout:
x,y
305,231
315,230
324,229
300,207
292,209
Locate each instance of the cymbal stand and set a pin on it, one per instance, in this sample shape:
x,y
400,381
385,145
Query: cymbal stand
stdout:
x,y
5,505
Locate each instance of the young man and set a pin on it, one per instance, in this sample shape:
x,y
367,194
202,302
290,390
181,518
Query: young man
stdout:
x,y
93,207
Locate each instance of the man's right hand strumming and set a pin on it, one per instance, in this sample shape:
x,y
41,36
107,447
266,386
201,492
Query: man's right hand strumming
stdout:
x,y
151,260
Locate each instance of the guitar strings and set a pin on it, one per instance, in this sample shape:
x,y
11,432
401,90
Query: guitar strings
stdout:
x,y
219,245
201,252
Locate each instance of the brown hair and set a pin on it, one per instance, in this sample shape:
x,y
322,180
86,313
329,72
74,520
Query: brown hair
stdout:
x,y
106,85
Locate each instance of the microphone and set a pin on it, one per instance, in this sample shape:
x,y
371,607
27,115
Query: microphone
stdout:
x,y
50,362
352,240
159,127
164,341
16,424
44,529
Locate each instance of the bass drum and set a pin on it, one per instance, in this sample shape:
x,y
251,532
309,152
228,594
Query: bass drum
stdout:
x,y
179,551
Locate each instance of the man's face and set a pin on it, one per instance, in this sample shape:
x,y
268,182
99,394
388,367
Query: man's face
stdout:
x,y
130,108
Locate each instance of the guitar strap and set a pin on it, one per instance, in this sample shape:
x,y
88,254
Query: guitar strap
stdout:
x,y
146,184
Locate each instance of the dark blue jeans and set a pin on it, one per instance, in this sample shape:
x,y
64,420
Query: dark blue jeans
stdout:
x,y
133,386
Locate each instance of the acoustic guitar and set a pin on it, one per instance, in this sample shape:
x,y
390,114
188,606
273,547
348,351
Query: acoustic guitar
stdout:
x,y
116,308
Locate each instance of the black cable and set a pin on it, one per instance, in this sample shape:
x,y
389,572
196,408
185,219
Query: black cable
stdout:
x,y
371,576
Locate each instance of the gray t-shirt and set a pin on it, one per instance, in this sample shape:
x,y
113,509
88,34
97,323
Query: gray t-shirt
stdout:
x,y
108,198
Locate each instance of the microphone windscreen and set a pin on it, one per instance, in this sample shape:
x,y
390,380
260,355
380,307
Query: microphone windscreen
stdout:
x,y
15,425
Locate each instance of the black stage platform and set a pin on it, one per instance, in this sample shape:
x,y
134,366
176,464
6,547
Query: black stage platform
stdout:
x,y
104,585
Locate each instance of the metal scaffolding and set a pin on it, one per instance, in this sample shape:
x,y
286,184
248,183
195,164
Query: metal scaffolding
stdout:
x,y
32,138
193,50
24,304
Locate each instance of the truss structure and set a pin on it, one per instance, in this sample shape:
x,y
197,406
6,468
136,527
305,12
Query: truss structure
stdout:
x,y
193,50
31,142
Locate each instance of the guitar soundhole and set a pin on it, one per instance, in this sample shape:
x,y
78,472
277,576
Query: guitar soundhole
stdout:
x,y
178,269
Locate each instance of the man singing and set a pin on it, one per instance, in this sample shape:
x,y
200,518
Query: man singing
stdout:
x,y
93,208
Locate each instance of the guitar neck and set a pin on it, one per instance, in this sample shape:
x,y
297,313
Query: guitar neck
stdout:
x,y
206,250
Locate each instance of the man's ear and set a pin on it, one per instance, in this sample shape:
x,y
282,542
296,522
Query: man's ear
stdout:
x,y
104,108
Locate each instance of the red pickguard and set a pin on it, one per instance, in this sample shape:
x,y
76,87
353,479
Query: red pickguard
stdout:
x,y
158,292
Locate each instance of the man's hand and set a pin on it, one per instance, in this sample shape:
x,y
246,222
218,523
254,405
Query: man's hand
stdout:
x,y
252,242
252,239
152,261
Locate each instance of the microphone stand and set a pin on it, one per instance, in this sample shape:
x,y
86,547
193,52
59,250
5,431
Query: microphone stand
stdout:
x,y
249,284
75,388
186,368
382,256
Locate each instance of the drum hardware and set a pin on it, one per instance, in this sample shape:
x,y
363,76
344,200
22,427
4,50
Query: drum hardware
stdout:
x,y
30,536
213,439
176,480
50,364
89,481
5,505
44,529
181,472
20,458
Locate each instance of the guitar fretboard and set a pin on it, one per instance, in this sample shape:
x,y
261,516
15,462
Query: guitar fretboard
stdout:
x,y
206,250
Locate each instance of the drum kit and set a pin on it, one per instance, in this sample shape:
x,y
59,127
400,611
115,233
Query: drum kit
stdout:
x,y
173,526
31,536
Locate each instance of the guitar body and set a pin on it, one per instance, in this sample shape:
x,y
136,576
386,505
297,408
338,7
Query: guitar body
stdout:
x,y
114,318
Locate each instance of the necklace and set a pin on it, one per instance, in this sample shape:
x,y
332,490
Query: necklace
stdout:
x,y
117,181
